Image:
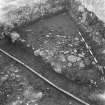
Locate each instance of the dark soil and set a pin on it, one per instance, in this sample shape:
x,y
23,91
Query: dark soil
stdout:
x,y
25,54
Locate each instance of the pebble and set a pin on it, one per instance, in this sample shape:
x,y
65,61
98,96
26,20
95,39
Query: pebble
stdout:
x,y
103,52
28,45
72,58
4,78
28,30
80,55
33,48
87,61
62,58
47,35
70,103
76,38
66,52
57,68
93,62
101,96
50,33
75,50
69,64
14,36
22,40
82,64
47,88
78,59
37,52
81,8
58,35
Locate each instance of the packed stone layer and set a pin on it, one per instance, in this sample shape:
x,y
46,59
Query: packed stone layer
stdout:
x,y
68,55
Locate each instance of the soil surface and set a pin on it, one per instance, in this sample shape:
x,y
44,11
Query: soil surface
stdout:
x,y
26,54
50,95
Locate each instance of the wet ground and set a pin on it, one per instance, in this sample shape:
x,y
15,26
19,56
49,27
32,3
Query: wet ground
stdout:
x,y
32,34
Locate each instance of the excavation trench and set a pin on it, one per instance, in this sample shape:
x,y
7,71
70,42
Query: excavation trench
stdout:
x,y
26,55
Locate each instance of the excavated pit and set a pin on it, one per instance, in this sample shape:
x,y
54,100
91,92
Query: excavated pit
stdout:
x,y
81,78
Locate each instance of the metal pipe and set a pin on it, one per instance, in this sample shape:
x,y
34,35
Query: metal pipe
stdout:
x,y
96,61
